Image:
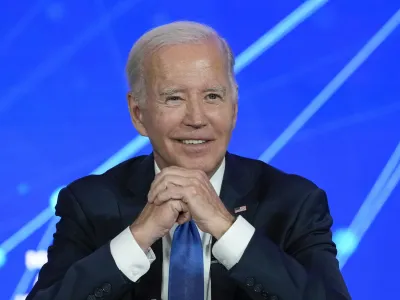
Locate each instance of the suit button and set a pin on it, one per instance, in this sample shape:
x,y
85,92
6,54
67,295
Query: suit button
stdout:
x,y
265,295
273,297
106,288
258,288
98,293
91,297
250,281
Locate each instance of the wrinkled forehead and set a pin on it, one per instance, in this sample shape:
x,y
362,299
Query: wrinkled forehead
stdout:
x,y
188,64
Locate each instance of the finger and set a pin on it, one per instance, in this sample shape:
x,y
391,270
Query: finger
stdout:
x,y
178,206
186,194
161,183
183,218
185,173
201,175
195,175
191,194
172,193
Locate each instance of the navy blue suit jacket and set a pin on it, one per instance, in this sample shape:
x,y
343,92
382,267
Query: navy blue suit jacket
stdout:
x,y
290,257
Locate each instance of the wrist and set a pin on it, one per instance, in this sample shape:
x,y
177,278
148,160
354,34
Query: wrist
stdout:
x,y
141,236
222,226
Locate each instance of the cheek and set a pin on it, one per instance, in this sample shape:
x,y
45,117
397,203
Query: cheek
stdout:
x,y
163,122
223,120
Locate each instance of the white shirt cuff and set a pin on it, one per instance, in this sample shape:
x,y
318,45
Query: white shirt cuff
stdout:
x,y
229,249
129,257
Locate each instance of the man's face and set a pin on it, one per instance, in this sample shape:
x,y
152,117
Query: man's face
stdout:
x,y
189,111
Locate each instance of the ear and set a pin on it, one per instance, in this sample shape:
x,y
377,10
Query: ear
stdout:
x,y
235,107
235,112
136,111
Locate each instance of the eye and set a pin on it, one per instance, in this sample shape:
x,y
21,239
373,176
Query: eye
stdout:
x,y
173,99
213,96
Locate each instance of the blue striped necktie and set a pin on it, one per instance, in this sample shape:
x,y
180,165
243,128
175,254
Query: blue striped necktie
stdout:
x,y
186,268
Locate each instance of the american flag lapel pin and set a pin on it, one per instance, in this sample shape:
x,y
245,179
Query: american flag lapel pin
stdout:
x,y
240,209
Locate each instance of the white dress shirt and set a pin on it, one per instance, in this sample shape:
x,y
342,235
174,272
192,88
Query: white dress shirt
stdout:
x,y
228,250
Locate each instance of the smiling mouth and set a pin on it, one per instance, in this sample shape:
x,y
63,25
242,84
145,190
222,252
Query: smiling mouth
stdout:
x,y
193,142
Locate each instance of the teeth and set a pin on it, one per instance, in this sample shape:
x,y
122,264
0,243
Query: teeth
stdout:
x,y
187,142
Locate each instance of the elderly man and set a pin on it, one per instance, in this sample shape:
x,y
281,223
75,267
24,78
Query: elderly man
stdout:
x,y
189,221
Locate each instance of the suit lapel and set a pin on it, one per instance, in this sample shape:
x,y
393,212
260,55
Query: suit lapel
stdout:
x,y
138,183
237,183
141,177
236,190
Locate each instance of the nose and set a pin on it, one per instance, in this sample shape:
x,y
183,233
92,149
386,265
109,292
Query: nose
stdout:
x,y
195,116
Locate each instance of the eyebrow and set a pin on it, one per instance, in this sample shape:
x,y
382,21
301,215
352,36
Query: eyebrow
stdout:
x,y
171,91
217,89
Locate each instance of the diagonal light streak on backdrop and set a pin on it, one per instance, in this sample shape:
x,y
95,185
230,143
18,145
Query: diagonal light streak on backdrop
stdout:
x,y
50,66
26,279
370,207
269,39
25,231
331,88
376,198
375,205
21,25
112,42
279,31
347,121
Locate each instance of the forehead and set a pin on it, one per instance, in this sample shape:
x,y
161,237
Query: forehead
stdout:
x,y
188,64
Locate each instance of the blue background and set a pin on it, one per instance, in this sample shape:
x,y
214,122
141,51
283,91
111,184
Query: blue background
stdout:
x,y
63,112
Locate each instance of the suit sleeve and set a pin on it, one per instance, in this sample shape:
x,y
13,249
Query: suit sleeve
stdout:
x,y
306,270
75,268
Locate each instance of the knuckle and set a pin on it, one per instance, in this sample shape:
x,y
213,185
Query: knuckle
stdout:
x,y
174,206
158,198
193,190
200,175
167,178
201,172
195,181
152,186
158,175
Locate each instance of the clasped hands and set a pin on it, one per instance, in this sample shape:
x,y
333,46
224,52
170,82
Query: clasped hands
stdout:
x,y
179,195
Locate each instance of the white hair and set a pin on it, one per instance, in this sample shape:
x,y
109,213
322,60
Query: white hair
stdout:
x,y
181,32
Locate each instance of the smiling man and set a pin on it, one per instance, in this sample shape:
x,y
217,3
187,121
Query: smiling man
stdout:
x,y
188,105
189,221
